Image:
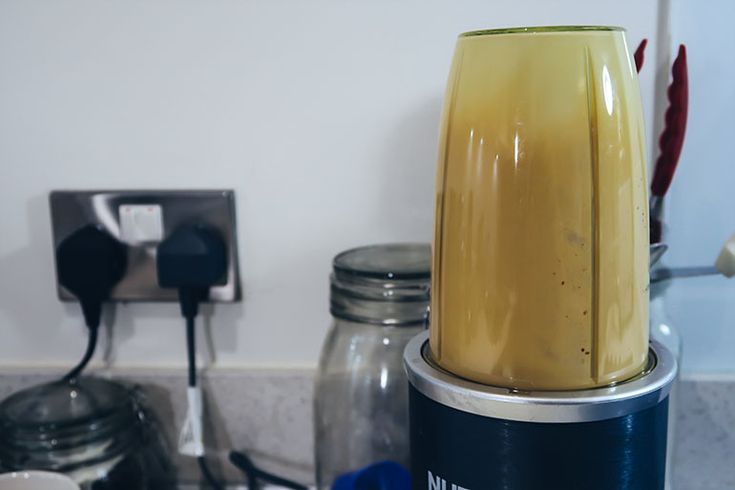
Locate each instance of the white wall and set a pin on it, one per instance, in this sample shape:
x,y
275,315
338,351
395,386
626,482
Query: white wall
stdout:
x,y
701,202
321,114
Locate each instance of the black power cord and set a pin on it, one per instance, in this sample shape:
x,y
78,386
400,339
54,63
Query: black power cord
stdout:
x,y
192,260
191,351
91,347
208,476
90,262
254,473
191,355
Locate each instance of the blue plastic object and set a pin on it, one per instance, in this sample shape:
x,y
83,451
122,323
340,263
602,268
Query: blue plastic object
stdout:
x,y
386,475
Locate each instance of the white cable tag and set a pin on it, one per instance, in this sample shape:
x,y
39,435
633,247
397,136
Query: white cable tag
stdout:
x,y
190,439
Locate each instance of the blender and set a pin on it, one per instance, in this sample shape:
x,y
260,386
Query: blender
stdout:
x,y
537,371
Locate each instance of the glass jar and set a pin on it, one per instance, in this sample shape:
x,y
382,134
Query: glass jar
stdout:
x,y
663,331
379,300
95,431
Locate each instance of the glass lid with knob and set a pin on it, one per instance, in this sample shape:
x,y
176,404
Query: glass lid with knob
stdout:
x,y
62,404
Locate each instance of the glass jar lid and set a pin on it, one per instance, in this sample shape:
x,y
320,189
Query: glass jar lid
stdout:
x,y
62,404
400,261
98,432
63,425
382,284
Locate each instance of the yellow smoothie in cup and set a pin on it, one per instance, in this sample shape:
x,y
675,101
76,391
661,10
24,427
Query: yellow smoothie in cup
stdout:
x,y
540,259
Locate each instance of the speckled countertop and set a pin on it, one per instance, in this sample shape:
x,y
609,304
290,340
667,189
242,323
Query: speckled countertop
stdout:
x,y
704,457
268,413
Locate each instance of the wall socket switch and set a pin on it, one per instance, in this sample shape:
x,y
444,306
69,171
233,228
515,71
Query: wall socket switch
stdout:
x,y
141,219
141,223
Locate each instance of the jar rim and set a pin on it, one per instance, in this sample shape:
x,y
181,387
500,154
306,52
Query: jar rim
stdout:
x,y
384,284
388,262
541,30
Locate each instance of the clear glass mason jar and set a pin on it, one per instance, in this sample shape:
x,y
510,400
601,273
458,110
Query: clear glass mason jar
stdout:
x,y
663,331
379,300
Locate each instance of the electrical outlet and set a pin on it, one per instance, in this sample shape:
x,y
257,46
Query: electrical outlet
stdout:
x,y
141,219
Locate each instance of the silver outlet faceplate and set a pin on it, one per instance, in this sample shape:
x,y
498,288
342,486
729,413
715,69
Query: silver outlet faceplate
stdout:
x,y
71,210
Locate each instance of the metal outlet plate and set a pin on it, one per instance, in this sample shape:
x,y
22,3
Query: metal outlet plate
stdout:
x,y
71,210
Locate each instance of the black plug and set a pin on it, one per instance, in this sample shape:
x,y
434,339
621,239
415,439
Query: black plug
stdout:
x,y
90,262
192,260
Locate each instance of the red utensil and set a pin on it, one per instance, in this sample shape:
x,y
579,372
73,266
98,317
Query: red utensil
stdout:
x,y
671,141
638,55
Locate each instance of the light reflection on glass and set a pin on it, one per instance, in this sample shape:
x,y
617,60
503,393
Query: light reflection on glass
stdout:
x,y
383,377
607,90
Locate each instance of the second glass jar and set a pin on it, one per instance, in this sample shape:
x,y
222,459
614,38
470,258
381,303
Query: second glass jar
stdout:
x,y
379,300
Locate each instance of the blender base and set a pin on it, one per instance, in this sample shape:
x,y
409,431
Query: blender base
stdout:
x,y
468,436
452,450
